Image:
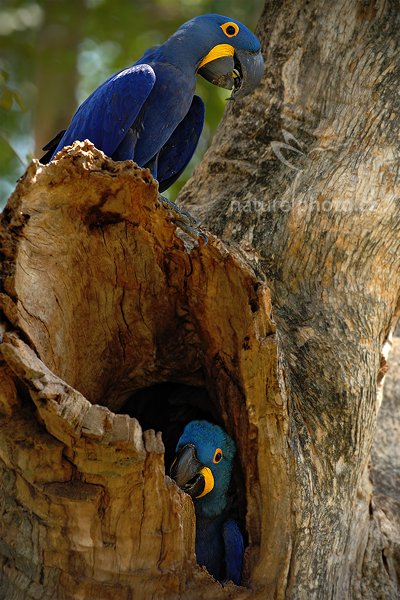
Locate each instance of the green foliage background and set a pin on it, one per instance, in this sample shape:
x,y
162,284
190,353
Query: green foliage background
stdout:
x,y
53,53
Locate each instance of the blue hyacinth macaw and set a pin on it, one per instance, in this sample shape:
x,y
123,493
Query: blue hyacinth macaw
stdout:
x,y
149,113
202,468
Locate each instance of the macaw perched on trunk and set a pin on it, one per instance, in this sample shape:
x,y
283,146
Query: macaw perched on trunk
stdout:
x,y
149,113
202,468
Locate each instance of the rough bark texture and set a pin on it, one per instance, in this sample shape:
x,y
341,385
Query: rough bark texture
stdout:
x,y
324,231
385,471
110,322
102,299
386,447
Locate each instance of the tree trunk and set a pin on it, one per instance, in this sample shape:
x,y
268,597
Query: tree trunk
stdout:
x,y
113,322
386,474
304,177
99,295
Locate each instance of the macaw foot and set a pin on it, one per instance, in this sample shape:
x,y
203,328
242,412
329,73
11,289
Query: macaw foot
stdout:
x,y
187,222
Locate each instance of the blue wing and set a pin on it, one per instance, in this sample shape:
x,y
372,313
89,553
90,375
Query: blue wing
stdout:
x,y
107,114
177,152
234,551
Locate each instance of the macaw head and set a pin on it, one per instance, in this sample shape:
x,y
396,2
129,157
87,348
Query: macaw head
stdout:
x,y
222,50
203,465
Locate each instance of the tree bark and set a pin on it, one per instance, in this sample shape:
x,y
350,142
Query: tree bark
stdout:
x,y
321,224
279,332
386,450
102,302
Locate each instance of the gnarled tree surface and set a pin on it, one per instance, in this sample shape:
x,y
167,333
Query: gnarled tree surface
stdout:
x,y
321,223
110,322
102,301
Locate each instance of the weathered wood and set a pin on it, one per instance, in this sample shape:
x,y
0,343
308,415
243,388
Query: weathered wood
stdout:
x,y
101,298
321,222
103,302
384,531
386,447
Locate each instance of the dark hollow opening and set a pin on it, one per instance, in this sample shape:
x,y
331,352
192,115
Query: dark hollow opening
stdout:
x,y
168,407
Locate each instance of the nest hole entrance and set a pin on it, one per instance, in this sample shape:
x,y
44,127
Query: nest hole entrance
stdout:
x,y
169,407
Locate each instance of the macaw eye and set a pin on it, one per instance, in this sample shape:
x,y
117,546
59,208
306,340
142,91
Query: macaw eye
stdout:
x,y
230,29
217,456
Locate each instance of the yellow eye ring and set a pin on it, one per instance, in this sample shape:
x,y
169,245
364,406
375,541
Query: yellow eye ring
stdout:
x,y
217,456
230,29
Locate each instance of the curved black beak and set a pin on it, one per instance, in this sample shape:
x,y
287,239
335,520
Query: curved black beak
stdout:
x,y
250,68
189,473
242,71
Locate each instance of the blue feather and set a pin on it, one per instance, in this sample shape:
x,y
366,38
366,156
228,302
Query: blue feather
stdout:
x,y
177,152
210,547
219,542
234,550
148,113
106,116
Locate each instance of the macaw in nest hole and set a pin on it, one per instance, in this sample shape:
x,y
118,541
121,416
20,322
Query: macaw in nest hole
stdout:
x,y
202,468
149,113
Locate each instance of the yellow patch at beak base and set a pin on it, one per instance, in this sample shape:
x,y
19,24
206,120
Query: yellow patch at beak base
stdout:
x,y
208,481
218,51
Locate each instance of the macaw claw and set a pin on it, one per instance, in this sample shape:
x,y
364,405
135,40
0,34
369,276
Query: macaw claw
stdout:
x,y
183,219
